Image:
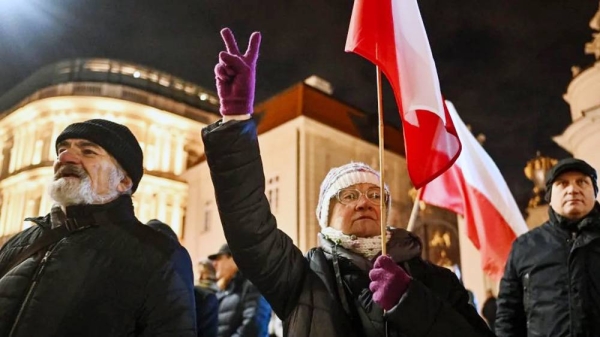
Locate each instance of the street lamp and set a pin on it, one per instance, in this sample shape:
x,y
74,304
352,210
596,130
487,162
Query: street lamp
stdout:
x,y
536,170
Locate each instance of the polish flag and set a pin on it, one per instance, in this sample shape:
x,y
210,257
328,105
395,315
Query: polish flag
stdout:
x,y
474,188
391,34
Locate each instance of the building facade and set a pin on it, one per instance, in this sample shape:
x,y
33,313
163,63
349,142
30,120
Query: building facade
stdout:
x,y
582,137
165,114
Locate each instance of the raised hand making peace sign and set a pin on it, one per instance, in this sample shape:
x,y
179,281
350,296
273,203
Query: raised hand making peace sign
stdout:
x,y
236,74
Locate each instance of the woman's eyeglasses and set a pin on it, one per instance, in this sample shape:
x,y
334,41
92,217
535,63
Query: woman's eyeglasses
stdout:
x,y
351,195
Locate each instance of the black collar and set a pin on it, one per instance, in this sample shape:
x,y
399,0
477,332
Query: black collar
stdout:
x,y
577,225
79,216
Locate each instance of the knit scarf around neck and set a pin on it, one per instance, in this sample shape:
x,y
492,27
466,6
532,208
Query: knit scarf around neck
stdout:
x,y
367,247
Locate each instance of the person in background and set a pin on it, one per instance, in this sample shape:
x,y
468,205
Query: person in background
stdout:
x,y
205,291
163,228
488,311
472,298
207,306
207,276
243,312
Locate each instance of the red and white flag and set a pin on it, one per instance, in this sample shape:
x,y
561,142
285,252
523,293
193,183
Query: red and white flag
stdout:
x,y
474,188
391,34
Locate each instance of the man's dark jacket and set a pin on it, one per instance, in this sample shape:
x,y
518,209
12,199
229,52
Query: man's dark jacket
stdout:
x,y
488,311
207,312
112,277
551,284
305,292
243,312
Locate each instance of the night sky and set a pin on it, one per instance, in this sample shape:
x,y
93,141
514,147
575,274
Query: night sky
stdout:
x,y
504,64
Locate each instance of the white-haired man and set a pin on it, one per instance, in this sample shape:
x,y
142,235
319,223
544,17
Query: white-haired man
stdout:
x,y
90,268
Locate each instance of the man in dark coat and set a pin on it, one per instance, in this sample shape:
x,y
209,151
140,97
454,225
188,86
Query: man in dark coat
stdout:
x,y
342,287
207,305
90,268
207,312
551,285
243,312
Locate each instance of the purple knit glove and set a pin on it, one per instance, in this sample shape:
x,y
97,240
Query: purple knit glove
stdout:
x,y
388,282
235,74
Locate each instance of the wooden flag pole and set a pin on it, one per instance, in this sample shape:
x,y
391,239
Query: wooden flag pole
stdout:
x,y
382,217
414,212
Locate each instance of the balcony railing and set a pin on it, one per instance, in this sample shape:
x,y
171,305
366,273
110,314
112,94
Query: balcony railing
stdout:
x,y
119,92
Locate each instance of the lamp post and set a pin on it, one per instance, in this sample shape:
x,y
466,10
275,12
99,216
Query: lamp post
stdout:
x,y
536,170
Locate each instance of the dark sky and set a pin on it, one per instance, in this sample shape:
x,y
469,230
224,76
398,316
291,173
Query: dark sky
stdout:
x,y
505,64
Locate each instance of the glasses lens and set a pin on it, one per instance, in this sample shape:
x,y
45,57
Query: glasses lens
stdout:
x,y
348,196
373,194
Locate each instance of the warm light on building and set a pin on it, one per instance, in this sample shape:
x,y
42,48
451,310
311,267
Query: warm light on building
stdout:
x,y
165,114
582,137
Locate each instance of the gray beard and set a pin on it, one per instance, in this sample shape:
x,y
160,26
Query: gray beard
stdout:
x,y
78,191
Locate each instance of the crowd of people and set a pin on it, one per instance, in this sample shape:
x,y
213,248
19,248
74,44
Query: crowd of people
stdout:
x,y
91,268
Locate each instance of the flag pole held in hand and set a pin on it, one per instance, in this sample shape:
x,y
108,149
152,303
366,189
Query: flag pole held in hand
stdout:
x,y
382,217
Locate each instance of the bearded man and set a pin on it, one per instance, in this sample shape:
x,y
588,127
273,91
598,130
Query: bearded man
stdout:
x,y
90,267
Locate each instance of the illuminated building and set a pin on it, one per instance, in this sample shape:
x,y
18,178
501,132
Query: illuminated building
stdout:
x,y
164,112
582,137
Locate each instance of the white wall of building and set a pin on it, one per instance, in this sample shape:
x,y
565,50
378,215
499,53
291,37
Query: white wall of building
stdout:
x,y
583,92
202,234
582,137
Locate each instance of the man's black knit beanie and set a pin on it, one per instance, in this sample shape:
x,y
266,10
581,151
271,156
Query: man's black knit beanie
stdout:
x,y
116,139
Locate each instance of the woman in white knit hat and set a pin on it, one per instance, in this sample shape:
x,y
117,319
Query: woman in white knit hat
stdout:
x,y
344,287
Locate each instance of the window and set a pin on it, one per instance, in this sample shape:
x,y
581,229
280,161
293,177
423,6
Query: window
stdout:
x,y
128,70
164,81
37,152
149,158
190,89
97,66
208,214
272,192
178,85
4,157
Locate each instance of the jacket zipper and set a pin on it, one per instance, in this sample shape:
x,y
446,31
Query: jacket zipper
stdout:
x,y
36,277
571,242
526,296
